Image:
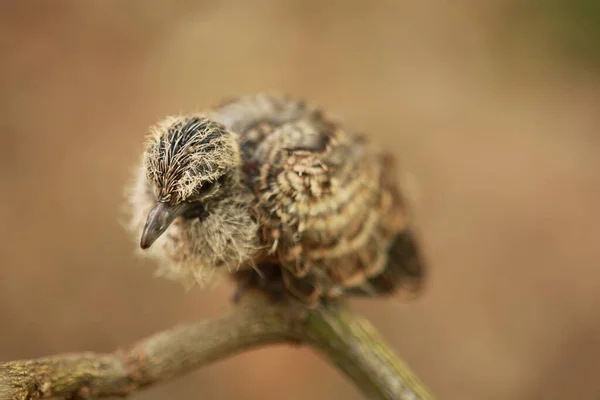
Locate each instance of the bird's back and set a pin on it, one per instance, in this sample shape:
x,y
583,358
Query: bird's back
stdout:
x,y
327,199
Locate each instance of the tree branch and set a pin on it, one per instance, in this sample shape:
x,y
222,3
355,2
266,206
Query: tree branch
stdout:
x,y
345,339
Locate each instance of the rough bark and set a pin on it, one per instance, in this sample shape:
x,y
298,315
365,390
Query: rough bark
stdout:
x,y
345,339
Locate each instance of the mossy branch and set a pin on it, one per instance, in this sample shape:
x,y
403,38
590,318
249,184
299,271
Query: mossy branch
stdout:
x,y
344,338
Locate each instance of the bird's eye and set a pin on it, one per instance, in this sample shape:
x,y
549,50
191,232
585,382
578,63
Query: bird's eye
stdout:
x,y
209,186
206,187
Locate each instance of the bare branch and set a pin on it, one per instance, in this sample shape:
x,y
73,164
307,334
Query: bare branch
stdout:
x,y
345,339
353,345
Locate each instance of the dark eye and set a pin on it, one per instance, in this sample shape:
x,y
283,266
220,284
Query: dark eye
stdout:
x,y
209,186
206,187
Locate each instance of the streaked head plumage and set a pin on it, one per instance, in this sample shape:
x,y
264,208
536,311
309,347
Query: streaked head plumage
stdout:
x,y
186,155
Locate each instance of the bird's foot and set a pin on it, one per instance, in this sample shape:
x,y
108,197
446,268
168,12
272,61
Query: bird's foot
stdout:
x,y
265,278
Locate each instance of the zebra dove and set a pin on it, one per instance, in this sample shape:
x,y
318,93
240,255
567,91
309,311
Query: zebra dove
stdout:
x,y
269,187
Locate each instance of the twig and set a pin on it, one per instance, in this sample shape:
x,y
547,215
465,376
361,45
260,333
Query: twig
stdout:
x,y
345,339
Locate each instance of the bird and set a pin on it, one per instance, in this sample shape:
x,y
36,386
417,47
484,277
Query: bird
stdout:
x,y
273,191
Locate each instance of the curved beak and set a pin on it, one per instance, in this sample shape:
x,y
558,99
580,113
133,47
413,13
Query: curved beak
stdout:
x,y
159,219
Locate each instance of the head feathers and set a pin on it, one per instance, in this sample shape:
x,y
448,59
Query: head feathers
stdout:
x,y
185,152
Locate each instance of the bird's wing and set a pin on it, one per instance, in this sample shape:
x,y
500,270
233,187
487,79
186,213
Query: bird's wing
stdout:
x,y
329,206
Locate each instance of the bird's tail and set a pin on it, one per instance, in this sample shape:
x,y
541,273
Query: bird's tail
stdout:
x,y
404,274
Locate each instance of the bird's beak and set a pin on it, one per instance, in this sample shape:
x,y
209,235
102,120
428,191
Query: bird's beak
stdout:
x,y
159,219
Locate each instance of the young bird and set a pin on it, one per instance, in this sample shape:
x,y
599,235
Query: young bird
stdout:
x,y
271,189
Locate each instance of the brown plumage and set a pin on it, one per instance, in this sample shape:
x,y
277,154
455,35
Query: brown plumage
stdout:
x,y
270,183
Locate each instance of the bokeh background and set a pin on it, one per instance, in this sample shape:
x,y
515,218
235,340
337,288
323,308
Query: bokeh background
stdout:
x,y
493,106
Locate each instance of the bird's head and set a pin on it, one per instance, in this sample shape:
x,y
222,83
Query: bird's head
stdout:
x,y
190,163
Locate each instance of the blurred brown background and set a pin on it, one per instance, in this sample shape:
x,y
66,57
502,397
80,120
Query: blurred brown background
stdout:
x,y
493,106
